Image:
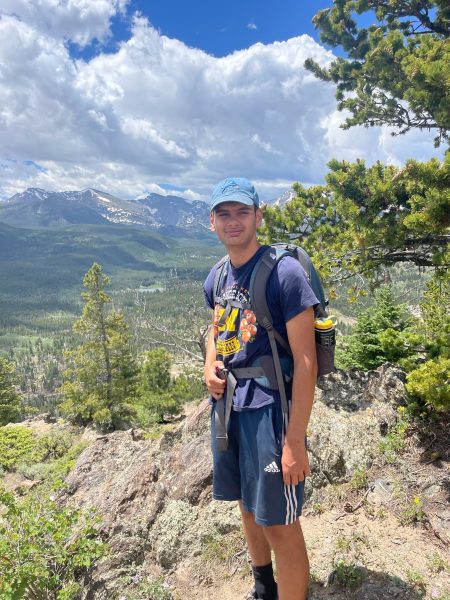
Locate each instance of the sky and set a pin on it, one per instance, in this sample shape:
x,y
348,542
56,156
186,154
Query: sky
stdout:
x,y
168,96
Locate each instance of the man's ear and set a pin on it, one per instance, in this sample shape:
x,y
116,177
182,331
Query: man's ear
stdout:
x,y
211,220
259,217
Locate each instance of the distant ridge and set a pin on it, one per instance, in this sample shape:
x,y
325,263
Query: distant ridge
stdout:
x,y
39,208
284,198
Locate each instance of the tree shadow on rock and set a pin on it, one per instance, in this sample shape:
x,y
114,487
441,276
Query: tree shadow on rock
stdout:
x,y
359,583
433,439
433,484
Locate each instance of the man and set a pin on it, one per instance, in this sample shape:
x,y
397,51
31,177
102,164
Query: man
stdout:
x,y
265,461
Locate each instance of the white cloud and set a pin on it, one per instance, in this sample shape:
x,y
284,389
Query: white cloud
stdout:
x,y
142,129
80,21
252,25
267,146
156,110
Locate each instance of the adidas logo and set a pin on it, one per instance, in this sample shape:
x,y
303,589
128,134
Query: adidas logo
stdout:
x,y
272,468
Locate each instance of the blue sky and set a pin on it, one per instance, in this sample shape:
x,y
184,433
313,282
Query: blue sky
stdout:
x,y
132,97
220,28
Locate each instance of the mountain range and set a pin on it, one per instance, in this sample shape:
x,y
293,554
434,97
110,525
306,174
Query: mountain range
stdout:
x,y
170,215
48,241
39,208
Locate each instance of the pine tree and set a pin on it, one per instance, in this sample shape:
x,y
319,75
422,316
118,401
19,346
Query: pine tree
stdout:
x,y
376,337
397,73
100,384
158,395
387,333
366,218
397,70
10,400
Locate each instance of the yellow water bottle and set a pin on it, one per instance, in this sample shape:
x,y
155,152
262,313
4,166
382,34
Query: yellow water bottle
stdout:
x,y
325,331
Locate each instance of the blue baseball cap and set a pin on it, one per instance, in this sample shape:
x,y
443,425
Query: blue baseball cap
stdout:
x,y
234,189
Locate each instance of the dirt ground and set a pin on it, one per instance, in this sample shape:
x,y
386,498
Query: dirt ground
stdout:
x,y
380,559
361,545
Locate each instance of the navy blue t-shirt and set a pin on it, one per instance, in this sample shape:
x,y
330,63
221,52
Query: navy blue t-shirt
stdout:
x,y
241,340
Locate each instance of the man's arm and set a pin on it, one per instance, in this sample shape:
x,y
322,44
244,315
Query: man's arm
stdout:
x,y
215,385
301,337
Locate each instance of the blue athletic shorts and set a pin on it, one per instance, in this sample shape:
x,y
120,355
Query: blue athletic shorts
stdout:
x,y
250,470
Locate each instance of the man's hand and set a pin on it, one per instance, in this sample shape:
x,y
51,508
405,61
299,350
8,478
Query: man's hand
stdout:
x,y
215,385
294,461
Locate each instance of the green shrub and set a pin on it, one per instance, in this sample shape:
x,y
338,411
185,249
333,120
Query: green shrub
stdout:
x,y
413,513
394,442
189,386
49,456
18,445
438,564
347,574
430,383
36,471
45,547
154,406
53,472
150,589
155,371
360,479
55,443
386,333
417,581
156,400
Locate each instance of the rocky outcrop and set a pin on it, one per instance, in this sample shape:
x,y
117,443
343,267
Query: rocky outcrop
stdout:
x,y
352,413
133,481
155,495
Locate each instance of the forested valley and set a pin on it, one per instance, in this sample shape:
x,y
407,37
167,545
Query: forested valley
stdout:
x,y
104,331
164,311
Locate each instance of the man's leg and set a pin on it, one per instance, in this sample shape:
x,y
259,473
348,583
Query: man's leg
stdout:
x,y
291,560
260,554
258,546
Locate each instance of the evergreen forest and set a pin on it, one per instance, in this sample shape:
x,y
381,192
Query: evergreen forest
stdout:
x,y
105,326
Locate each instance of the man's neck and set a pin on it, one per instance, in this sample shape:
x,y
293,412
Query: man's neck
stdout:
x,y
239,255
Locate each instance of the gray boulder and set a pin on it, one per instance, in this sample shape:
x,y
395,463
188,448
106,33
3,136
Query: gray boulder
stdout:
x,y
352,412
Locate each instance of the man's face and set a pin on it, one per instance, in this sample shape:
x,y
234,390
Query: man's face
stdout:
x,y
235,223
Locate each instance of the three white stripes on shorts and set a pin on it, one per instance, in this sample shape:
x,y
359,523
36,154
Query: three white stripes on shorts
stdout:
x,y
289,490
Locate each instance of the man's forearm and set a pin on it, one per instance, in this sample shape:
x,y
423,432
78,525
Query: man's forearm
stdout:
x,y
303,387
210,350
214,384
302,342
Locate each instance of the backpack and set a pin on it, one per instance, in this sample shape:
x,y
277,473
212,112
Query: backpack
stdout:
x,y
272,373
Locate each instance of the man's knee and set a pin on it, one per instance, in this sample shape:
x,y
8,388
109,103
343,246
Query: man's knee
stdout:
x,y
280,535
247,517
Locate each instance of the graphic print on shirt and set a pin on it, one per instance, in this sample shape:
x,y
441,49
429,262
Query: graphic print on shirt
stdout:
x,y
239,328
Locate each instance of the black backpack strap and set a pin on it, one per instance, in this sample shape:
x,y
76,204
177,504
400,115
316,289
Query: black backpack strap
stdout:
x,y
219,276
222,412
224,406
314,281
305,261
278,372
258,285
